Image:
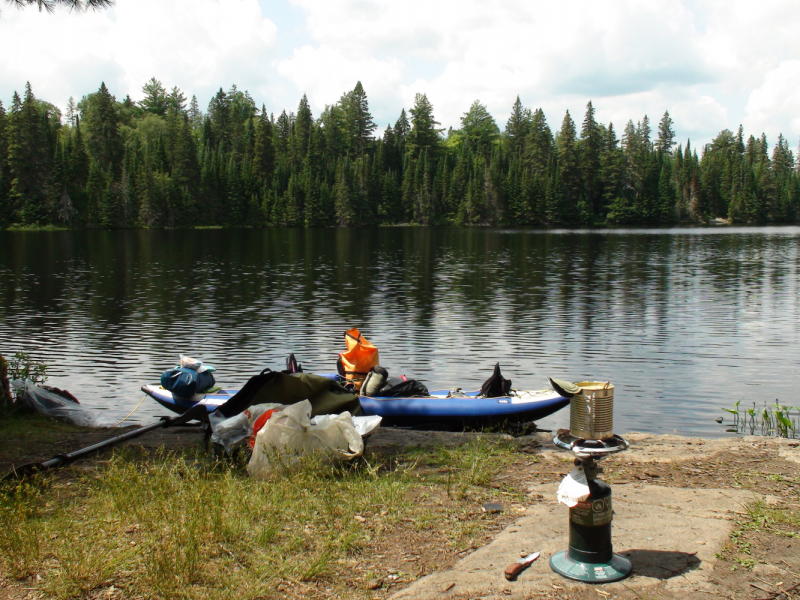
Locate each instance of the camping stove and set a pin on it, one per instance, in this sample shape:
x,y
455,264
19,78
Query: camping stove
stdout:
x,y
590,557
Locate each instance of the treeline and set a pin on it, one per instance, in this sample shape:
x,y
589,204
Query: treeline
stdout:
x,y
163,162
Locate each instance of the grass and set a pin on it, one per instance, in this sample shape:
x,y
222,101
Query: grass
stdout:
x,y
759,518
21,427
184,526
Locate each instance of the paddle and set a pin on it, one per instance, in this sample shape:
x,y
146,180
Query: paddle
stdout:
x,y
197,412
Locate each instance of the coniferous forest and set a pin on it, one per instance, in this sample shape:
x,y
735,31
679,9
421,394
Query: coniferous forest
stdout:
x,y
164,162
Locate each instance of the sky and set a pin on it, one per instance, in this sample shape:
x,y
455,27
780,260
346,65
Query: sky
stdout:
x,y
713,64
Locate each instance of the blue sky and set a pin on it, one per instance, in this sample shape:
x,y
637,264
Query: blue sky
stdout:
x,y
713,64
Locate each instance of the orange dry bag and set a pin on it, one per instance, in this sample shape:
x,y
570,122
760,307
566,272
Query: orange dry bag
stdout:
x,y
360,357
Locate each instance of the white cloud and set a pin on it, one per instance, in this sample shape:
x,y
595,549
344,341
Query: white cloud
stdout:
x,y
712,63
775,101
197,45
697,59
325,73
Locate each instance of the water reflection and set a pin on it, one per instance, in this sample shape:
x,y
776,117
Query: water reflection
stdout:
x,y
683,321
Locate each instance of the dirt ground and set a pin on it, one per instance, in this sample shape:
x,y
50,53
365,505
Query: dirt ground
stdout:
x,y
758,558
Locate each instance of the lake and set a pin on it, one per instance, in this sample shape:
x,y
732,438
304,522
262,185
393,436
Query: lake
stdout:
x,y
682,321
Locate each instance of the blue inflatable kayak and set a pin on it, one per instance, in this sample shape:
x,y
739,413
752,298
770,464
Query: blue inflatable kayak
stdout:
x,y
440,408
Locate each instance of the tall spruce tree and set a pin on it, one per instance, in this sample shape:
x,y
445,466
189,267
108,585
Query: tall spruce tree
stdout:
x,y
478,128
358,120
517,128
666,135
103,139
155,99
568,172
539,145
424,134
591,146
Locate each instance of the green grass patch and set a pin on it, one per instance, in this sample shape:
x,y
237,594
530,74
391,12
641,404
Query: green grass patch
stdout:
x,y
21,427
759,519
184,526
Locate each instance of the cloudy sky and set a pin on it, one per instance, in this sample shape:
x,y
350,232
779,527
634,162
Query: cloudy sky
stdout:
x,y
712,63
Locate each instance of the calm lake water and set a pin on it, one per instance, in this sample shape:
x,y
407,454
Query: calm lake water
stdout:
x,y
682,321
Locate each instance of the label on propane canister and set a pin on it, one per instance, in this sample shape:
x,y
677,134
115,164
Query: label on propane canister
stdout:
x,y
592,513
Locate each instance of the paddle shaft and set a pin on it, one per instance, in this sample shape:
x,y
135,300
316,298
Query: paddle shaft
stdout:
x,y
196,412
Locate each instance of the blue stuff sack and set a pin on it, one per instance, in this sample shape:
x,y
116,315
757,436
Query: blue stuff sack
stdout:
x,y
185,383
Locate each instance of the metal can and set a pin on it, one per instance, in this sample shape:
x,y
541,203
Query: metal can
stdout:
x,y
591,413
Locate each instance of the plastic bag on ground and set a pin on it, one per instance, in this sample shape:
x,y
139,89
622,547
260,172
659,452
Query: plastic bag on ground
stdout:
x,y
229,432
363,425
58,407
290,434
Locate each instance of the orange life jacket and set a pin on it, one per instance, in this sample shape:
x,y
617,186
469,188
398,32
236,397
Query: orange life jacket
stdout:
x,y
360,357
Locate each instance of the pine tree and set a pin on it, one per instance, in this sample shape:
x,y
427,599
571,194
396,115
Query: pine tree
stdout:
x,y
568,171
28,160
478,129
103,140
591,146
539,144
302,129
283,132
423,134
359,123
155,99
219,115
195,115
666,135
517,128
72,112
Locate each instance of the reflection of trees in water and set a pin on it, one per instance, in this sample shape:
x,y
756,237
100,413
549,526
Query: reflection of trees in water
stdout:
x,y
481,279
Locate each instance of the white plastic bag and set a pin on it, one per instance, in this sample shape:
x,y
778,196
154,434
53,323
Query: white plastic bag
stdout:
x,y
364,425
574,488
54,406
290,434
187,362
228,432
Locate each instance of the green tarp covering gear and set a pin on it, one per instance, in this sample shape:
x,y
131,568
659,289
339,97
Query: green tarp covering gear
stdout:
x,y
325,395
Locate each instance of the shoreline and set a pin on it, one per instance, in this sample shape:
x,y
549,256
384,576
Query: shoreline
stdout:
x,y
698,516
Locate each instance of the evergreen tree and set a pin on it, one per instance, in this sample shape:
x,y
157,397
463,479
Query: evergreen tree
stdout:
x,y
423,134
302,128
517,128
478,128
28,160
219,116
539,145
359,123
568,172
103,140
155,99
264,152
666,135
591,146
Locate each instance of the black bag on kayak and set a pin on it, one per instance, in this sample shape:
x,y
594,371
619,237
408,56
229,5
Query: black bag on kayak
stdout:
x,y
400,387
496,386
185,383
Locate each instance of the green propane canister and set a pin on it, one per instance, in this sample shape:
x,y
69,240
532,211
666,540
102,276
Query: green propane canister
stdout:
x,y
590,556
590,525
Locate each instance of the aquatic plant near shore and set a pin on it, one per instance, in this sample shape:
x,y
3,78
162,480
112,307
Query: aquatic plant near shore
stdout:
x,y
773,420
